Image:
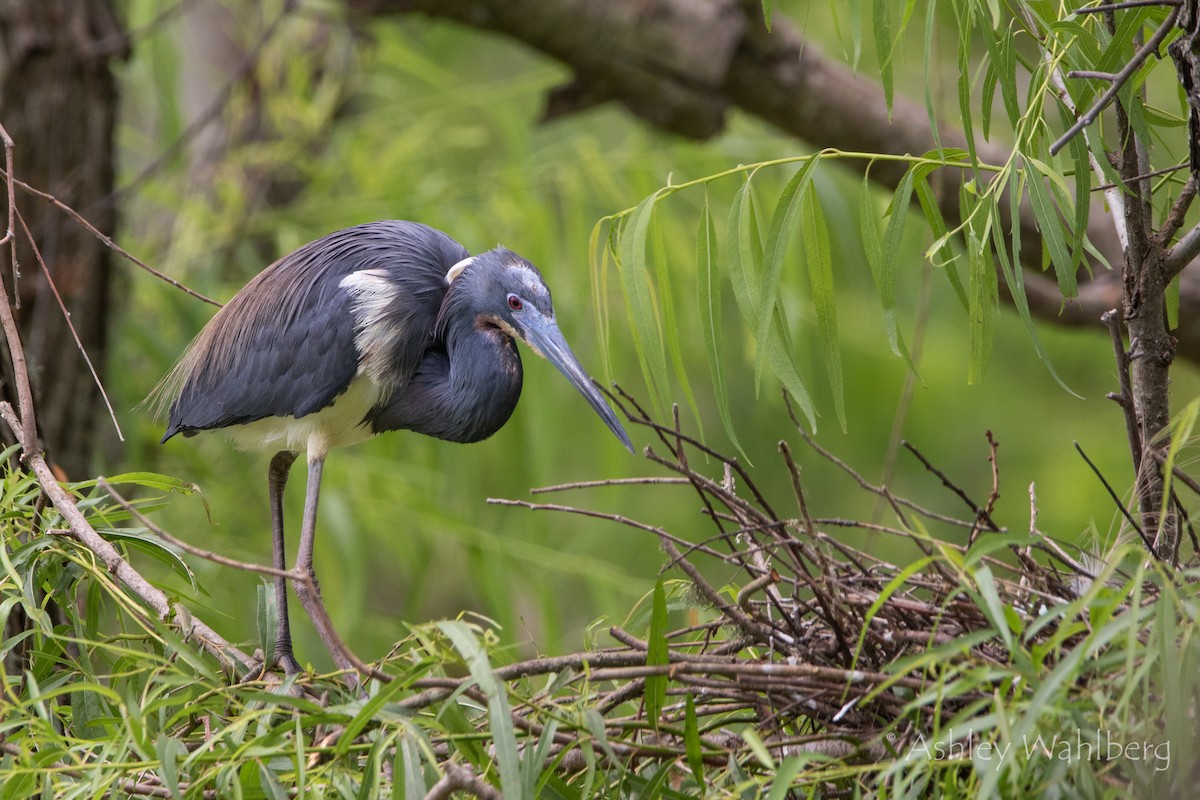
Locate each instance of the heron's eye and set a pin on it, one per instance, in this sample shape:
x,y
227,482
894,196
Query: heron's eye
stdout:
x,y
515,303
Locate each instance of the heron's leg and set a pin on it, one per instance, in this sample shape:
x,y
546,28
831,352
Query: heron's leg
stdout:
x,y
277,477
306,586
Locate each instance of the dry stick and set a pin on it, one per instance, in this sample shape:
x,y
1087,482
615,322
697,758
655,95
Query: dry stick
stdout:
x,y
26,430
1175,217
646,481
881,491
667,541
980,513
818,588
190,549
1125,398
703,448
83,531
457,778
1153,174
585,512
1119,80
37,254
105,239
1116,499
1179,474
1126,4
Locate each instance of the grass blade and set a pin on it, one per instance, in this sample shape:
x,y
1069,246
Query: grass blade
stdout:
x,y
499,715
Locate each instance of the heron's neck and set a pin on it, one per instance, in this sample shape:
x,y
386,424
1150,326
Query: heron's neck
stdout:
x,y
463,392
485,372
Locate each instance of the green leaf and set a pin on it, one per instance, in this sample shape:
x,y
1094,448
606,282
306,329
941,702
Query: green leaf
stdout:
x,y
982,307
636,286
783,220
708,289
784,776
499,715
740,252
881,17
152,546
965,53
666,302
745,256
1014,279
169,751
885,282
1051,227
691,740
992,606
657,655
766,7
815,235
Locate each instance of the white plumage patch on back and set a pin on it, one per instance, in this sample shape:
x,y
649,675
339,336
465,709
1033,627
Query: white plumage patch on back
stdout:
x,y
457,269
371,295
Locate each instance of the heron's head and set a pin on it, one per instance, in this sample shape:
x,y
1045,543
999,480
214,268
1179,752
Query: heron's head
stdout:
x,y
508,293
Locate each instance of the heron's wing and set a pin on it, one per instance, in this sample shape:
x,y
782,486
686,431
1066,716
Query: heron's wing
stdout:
x,y
289,342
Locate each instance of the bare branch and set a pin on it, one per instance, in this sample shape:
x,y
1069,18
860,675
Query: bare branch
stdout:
x,y
1119,80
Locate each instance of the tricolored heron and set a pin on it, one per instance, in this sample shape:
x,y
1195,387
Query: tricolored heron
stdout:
x,y
381,327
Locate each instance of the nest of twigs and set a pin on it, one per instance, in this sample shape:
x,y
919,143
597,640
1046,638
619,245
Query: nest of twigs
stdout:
x,y
808,644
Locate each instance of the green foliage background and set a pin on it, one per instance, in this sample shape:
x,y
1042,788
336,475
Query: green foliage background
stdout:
x,y
443,129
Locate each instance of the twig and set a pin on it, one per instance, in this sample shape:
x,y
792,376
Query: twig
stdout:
x,y
457,778
105,239
37,254
1119,80
1124,399
83,531
1182,252
190,549
25,429
1116,499
1100,9
980,513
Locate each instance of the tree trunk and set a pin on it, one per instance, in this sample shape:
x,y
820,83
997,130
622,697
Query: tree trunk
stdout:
x,y
58,101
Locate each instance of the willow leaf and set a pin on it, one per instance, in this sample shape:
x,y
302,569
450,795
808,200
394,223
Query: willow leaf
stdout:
x,y
1051,227
708,290
783,220
1015,281
598,263
815,235
740,253
882,19
638,298
499,716
666,302
657,655
982,307
885,282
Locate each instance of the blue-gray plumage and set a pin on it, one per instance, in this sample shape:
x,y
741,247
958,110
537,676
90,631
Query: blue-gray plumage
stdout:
x,y
384,326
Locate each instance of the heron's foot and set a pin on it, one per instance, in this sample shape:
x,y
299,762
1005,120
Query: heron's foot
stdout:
x,y
283,659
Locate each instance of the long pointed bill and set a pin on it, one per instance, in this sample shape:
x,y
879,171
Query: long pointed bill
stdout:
x,y
543,335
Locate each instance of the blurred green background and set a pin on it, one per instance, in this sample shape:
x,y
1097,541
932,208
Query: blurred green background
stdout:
x,y
442,127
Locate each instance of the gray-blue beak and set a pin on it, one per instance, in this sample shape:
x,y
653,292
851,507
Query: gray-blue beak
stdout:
x,y
542,334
